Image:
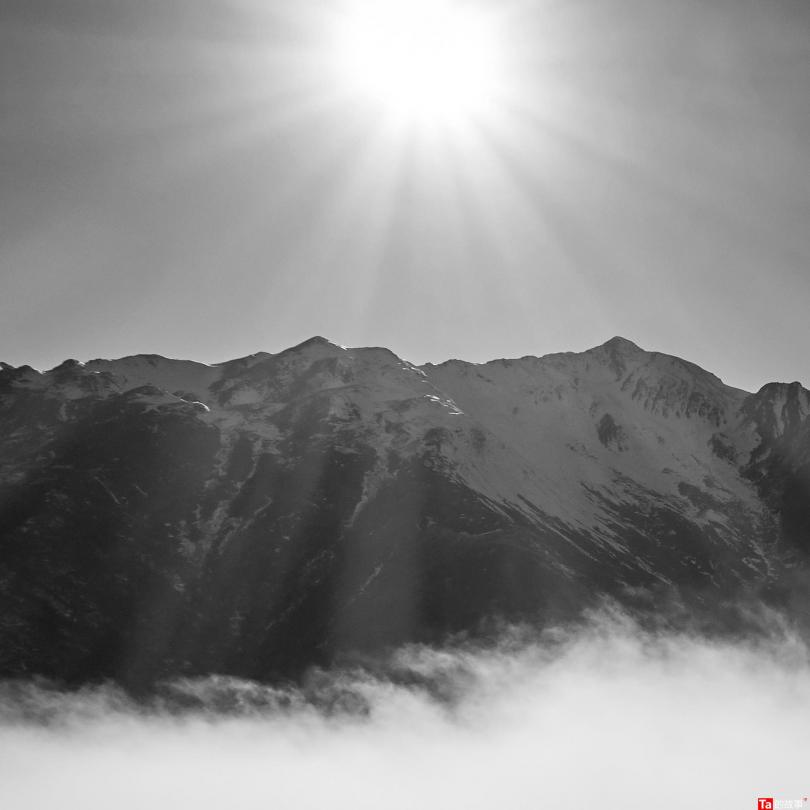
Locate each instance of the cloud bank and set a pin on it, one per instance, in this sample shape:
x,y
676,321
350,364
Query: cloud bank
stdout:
x,y
608,716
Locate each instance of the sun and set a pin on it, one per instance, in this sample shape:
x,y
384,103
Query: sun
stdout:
x,y
422,62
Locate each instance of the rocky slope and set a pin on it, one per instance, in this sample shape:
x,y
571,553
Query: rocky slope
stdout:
x,y
161,516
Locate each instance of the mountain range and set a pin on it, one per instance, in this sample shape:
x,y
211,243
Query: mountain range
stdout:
x,y
161,518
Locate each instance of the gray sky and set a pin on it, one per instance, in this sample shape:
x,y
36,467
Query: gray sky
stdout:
x,y
189,178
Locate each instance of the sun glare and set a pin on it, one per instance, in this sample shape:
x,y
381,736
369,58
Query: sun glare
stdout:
x,y
424,62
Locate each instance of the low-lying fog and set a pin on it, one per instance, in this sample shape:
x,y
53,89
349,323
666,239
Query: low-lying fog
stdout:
x,y
607,717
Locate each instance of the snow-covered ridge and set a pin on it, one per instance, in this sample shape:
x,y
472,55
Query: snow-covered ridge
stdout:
x,y
573,439
617,355
582,422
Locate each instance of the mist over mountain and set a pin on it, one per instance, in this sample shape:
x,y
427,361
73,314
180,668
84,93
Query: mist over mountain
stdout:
x,y
163,518
649,719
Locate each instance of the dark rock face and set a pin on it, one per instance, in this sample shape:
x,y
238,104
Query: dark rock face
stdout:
x,y
780,463
278,511
91,567
610,434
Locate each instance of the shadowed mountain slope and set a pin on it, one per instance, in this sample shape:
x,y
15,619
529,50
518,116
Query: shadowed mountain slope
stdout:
x,y
255,517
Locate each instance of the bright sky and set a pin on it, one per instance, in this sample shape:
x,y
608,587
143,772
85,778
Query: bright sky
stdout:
x,y
210,178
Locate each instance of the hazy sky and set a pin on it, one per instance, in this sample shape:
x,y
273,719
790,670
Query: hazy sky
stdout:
x,y
191,178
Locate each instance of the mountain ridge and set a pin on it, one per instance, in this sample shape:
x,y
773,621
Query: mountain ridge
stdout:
x,y
259,515
616,342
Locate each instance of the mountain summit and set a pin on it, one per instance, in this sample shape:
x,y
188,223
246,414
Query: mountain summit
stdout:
x,y
264,514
